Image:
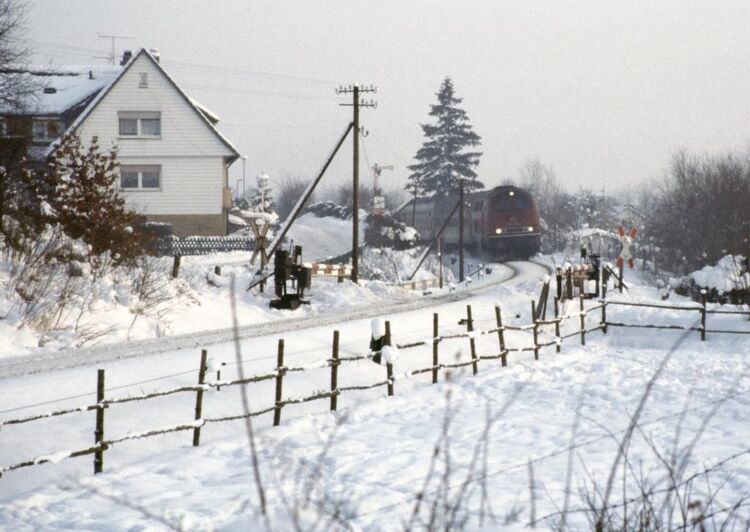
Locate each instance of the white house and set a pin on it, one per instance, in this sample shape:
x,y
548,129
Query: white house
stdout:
x,y
173,161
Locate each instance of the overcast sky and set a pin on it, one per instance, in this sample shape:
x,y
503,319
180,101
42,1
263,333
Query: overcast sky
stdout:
x,y
602,91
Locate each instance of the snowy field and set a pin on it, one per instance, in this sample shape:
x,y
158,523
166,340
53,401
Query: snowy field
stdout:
x,y
507,436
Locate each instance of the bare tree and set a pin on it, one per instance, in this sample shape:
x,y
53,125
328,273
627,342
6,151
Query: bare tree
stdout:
x,y
554,202
289,191
16,85
700,212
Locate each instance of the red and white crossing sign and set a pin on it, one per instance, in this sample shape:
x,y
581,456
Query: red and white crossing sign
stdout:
x,y
626,240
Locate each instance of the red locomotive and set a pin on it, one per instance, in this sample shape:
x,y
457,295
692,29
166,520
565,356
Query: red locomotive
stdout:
x,y
500,222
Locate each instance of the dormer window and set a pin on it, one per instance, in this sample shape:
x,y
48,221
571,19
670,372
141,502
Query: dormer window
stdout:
x,y
45,129
139,124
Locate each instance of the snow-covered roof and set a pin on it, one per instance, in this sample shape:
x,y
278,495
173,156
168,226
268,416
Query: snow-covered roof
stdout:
x,y
208,113
62,88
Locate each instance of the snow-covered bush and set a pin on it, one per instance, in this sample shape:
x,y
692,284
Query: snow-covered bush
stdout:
x,y
394,266
328,208
386,231
61,299
726,282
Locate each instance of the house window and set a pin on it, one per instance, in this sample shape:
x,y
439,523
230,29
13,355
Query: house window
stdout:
x,y
140,177
139,124
44,129
143,80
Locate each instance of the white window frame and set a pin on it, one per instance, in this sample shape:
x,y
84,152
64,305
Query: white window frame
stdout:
x,y
46,122
139,117
140,169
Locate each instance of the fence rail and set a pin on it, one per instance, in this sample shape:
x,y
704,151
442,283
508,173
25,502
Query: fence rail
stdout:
x,y
335,362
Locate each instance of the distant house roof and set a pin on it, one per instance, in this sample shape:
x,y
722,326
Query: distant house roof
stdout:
x,y
629,213
62,89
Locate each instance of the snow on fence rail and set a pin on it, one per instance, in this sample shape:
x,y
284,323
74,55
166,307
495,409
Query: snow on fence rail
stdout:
x,y
335,361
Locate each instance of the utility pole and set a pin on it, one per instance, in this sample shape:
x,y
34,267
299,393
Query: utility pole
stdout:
x,y
355,90
461,230
113,57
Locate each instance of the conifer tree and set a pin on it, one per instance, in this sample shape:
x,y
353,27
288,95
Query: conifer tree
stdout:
x,y
77,192
262,199
446,154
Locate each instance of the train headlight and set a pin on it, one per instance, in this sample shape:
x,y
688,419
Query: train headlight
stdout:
x,y
498,231
530,228
511,193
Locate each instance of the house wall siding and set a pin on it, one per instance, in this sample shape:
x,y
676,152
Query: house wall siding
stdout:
x,y
189,185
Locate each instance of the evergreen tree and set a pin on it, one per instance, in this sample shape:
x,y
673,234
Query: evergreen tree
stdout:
x,y
446,155
262,199
77,192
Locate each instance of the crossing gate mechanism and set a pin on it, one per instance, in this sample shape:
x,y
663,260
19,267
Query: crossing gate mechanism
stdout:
x,y
287,269
584,278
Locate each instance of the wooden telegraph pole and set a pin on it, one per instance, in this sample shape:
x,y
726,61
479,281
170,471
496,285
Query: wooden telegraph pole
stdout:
x,y
355,90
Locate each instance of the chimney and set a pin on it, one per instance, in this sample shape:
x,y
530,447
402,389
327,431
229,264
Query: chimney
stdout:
x,y
126,55
155,53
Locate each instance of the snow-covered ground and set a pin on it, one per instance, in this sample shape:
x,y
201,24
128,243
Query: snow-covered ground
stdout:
x,y
368,461
197,301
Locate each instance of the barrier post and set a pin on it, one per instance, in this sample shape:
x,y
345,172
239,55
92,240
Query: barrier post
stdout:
x,y
557,325
435,342
583,321
199,397
535,330
604,316
279,382
388,365
501,336
99,432
334,370
472,343
176,266
703,315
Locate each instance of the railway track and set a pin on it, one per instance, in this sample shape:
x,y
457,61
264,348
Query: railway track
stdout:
x,y
47,361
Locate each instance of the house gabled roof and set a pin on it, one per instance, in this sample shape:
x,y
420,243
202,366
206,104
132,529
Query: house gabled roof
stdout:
x,y
200,111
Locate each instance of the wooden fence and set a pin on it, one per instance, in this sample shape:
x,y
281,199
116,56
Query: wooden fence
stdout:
x,y
101,443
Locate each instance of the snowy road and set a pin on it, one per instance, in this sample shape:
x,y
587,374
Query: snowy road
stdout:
x,y
515,272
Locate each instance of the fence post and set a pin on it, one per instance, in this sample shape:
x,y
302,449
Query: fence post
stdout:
x,y
535,330
604,316
199,398
388,365
279,382
558,341
703,315
99,432
472,344
583,321
334,370
501,336
435,342
176,266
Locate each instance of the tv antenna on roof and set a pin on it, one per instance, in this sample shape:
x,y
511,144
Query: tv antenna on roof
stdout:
x,y
112,56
